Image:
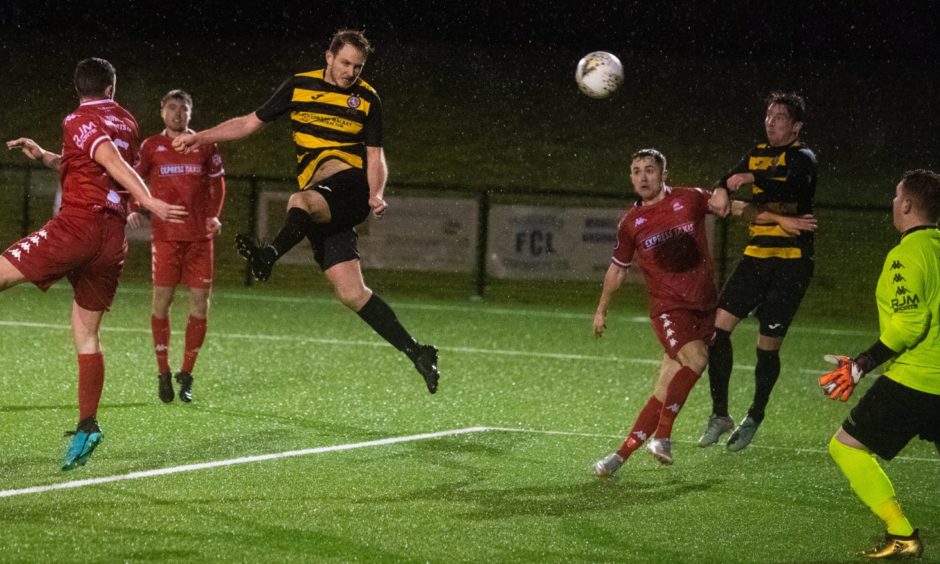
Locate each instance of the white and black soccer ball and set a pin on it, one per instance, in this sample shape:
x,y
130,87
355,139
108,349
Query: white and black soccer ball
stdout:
x,y
599,74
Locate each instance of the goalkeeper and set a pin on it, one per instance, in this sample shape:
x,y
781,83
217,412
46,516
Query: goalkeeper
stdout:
x,y
905,402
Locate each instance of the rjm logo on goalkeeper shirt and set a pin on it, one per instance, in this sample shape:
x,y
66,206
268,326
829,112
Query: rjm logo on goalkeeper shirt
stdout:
x,y
905,303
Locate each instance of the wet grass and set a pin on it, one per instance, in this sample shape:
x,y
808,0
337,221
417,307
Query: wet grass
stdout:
x,y
285,369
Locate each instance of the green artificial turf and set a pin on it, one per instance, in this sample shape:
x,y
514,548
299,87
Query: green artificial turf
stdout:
x,y
284,370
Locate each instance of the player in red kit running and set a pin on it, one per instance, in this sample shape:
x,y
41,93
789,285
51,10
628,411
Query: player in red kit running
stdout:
x,y
85,241
665,231
181,253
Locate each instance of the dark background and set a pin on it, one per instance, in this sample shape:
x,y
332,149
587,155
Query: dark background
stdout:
x,y
481,93
481,96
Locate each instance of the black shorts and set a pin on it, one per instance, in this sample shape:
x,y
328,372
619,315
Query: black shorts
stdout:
x,y
331,247
889,415
347,194
774,287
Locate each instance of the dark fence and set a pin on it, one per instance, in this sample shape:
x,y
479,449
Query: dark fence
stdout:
x,y
851,241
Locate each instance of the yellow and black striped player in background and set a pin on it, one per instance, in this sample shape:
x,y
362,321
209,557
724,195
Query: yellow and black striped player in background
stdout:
x,y
336,125
777,265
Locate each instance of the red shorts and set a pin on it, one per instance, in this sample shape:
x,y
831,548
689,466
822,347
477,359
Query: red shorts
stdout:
x,y
85,246
182,262
679,327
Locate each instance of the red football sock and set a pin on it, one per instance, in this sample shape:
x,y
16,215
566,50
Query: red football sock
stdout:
x,y
161,342
195,336
645,424
676,394
90,384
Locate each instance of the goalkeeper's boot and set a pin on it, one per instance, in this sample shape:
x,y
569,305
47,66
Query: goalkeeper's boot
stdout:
x,y
165,386
425,359
85,438
743,435
608,466
661,449
717,426
185,380
260,259
895,547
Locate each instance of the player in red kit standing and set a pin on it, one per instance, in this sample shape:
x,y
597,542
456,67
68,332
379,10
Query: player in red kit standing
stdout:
x,y
85,242
665,232
181,253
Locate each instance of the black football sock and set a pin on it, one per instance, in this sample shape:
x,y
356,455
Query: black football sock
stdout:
x,y
765,376
383,321
294,231
720,361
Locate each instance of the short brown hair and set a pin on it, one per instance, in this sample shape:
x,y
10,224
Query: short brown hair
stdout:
x,y
796,105
178,94
923,187
651,154
93,76
352,37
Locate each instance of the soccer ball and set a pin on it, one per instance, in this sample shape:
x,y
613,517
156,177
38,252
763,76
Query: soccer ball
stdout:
x,y
599,74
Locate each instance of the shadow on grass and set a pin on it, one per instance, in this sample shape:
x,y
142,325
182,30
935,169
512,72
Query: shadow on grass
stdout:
x,y
552,500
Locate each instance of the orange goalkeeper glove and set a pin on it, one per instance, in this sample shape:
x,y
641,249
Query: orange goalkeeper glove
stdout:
x,y
840,383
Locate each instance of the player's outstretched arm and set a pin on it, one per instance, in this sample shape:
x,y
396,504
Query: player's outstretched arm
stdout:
x,y
108,156
36,153
231,130
612,281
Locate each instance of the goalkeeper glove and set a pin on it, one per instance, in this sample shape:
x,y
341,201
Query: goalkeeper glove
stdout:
x,y
840,383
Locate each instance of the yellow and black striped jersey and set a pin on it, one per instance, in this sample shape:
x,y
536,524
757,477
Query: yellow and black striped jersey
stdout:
x,y
327,122
784,183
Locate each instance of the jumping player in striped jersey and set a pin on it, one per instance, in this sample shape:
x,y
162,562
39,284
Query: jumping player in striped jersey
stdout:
x,y
774,273
336,123
85,242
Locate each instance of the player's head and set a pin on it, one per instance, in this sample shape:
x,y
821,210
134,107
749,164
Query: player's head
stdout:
x,y
916,199
95,78
784,119
346,56
176,109
648,173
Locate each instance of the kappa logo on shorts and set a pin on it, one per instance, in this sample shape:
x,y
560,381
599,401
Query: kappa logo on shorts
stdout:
x,y
896,265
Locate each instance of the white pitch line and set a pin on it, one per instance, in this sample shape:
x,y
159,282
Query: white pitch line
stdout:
x,y
357,343
234,461
350,446
483,308
360,343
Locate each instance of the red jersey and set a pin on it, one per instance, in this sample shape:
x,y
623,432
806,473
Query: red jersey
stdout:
x,y
85,183
191,179
669,240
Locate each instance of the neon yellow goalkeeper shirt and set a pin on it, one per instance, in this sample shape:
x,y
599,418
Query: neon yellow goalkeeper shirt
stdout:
x,y
908,296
